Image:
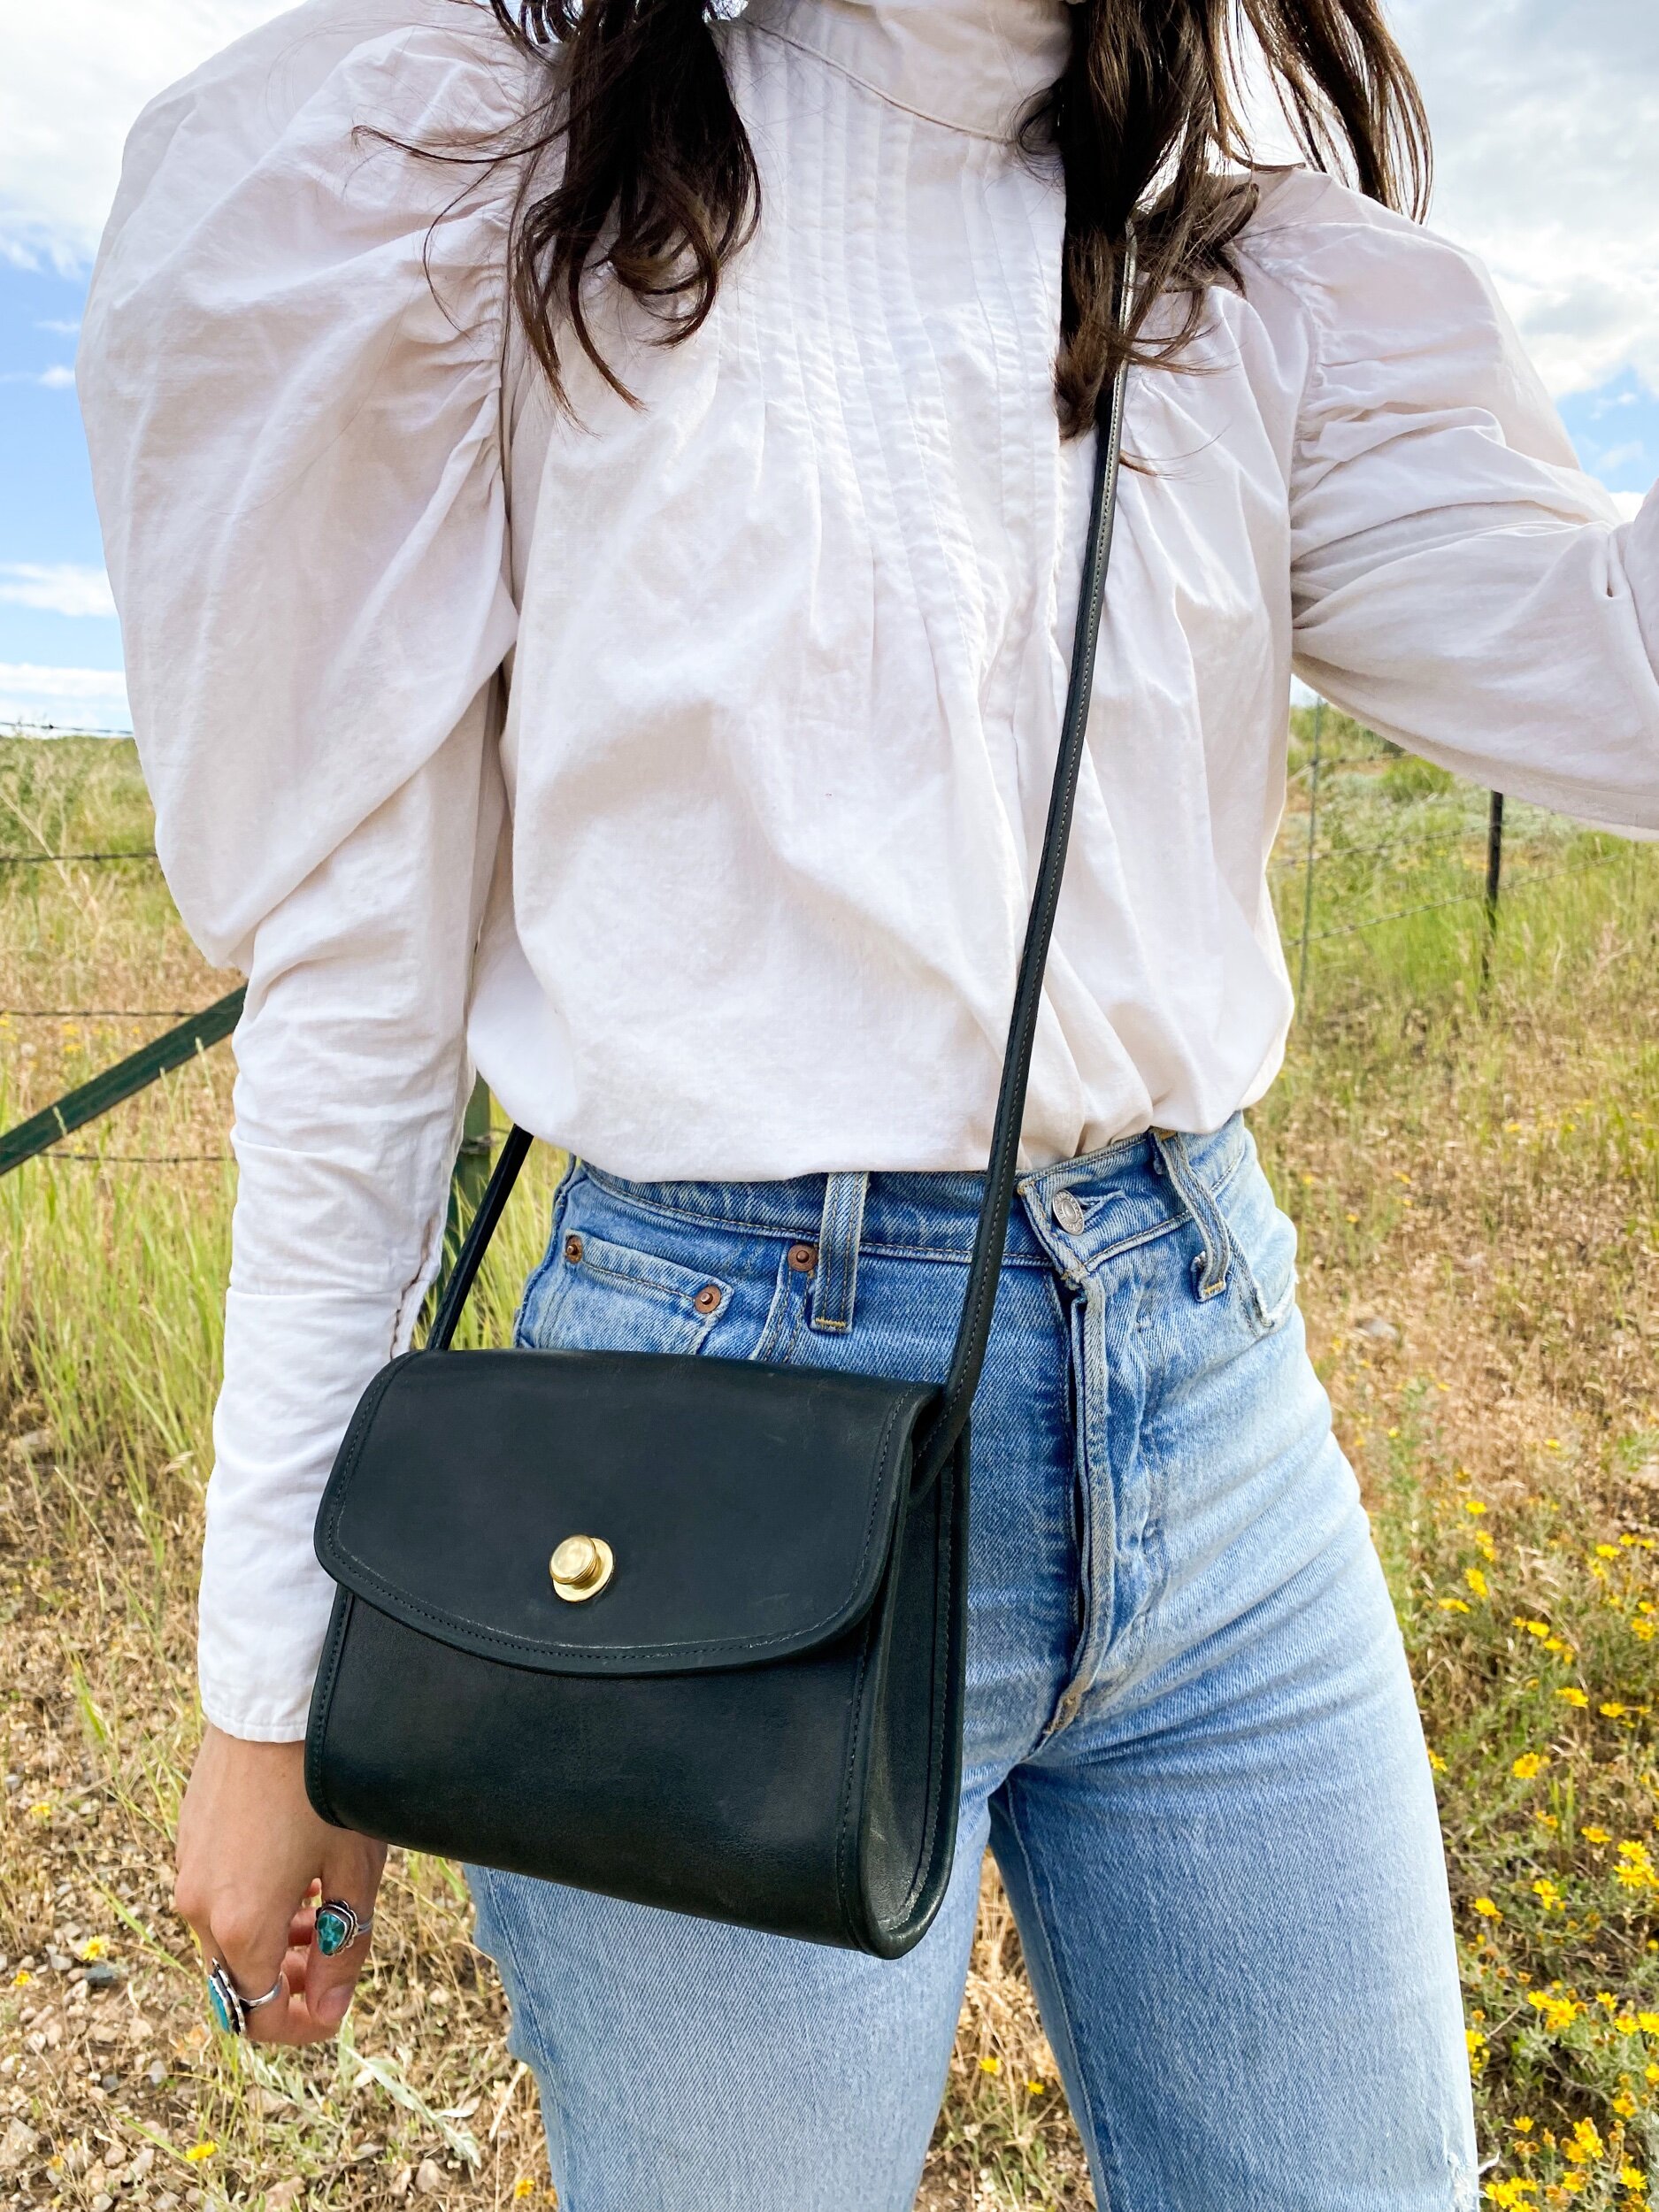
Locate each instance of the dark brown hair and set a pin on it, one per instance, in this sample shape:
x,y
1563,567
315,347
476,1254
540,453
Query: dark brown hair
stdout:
x,y
656,184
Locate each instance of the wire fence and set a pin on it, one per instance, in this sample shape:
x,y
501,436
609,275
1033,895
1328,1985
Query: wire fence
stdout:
x,y
1363,821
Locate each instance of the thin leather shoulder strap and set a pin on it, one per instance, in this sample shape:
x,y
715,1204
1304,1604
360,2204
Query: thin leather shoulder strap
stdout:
x,y
974,1328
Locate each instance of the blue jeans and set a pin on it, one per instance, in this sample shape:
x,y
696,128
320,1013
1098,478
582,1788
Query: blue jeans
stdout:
x,y
1191,1742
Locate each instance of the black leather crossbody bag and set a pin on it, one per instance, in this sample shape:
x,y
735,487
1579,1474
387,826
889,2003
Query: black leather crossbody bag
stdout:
x,y
689,1632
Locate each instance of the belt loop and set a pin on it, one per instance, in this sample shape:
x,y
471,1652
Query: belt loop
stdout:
x,y
835,1279
1206,1216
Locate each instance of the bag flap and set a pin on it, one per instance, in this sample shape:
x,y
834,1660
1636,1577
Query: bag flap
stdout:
x,y
749,1509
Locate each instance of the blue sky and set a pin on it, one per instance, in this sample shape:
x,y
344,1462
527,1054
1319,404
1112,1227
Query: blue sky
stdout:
x,y
1547,114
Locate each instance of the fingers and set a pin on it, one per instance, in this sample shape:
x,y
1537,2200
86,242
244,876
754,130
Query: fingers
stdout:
x,y
252,1851
351,1874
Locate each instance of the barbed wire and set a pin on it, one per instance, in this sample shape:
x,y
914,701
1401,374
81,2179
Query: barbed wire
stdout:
x,y
46,860
1465,832
1462,898
141,1159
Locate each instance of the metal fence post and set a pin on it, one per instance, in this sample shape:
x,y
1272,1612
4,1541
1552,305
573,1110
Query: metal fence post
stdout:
x,y
1494,880
1313,831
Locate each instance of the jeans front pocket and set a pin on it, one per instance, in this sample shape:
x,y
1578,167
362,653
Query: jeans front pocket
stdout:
x,y
591,1294
618,1277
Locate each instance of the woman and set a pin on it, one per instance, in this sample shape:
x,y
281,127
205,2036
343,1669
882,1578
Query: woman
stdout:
x,y
596,521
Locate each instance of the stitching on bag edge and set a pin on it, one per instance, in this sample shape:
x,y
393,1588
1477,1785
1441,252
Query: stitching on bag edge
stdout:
x,y
941,1733
629,1655
854,1740
331,1670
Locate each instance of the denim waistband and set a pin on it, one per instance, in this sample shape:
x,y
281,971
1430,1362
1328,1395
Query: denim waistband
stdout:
x,y
1118,1196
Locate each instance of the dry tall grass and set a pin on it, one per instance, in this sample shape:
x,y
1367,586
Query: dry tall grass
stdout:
x,y
1478,1185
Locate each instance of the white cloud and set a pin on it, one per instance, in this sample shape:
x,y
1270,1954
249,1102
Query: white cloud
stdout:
x,y
59,587
1546,121
74,79
66,698
60,378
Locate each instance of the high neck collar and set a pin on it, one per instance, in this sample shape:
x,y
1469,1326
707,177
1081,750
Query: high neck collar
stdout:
x,y
975,65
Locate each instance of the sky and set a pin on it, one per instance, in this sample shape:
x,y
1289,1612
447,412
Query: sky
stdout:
x,y
1545,114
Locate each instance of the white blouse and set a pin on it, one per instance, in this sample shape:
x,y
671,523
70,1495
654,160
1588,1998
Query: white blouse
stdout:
x,y
683,767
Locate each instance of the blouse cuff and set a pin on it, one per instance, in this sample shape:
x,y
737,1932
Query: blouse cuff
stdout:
x,y
294,1369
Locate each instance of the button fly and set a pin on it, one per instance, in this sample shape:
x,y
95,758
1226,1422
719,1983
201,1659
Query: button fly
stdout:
x,y
1068,1214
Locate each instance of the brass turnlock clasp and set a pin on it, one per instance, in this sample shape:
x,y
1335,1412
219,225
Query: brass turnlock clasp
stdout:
x,y
581,1567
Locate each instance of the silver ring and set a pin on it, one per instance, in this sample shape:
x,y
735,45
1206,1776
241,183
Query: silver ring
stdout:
x,y
230,2008
337,1927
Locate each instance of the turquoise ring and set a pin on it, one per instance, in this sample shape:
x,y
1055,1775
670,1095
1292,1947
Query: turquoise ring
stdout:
x,y
230,2009
338,1926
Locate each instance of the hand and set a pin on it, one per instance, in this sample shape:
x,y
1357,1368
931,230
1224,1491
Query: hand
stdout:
x,y
250,1849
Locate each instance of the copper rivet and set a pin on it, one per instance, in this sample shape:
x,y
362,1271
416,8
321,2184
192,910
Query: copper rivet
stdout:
x,y
572,1248
804,1258
708,1299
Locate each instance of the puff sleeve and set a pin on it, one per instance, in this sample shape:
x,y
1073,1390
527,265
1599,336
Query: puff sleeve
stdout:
x,y
291,372
1458,582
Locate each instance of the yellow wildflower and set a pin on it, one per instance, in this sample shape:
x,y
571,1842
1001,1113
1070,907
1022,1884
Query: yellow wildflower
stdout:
x,y
1648,2022
1632,2178
1574,1697
1612,1709
1453,1605
1038,2088
1547,1895
1607,1551
1487,1910
1437,1762
92,1948
1476,1506
524,2186
198,2152
1527,1765
1476,1581
990,2065
1524,2125
1624,2105
1595,1835
1584,2143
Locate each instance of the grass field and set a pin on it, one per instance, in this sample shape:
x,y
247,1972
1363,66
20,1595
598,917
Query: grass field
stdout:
x,y
1476,1174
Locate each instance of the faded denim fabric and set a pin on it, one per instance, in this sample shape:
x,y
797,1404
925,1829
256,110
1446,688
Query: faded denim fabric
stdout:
x,y
1191,1742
